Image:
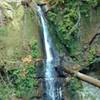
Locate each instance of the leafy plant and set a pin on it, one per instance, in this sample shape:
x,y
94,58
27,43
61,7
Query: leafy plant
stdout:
x,y
91,54
65,16
24,82
74,85
34,46
21,80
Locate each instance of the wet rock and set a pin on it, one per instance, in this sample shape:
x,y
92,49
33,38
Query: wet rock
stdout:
x,y
60,72
40,69
45,5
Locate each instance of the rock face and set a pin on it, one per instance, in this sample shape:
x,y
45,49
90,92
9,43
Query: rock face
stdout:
x,y
1,18
16,37
89,53
18,43
44,4
90,26
89,41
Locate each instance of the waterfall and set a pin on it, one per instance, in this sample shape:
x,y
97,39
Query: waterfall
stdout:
x,y
52,89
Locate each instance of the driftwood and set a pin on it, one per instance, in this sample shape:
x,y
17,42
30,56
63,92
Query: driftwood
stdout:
x,y
83,77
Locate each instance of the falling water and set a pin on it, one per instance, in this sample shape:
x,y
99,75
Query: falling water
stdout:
x,y
52,88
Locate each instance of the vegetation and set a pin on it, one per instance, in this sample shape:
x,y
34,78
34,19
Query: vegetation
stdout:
x,y
20,81
66,16
74,85
18,48
19,45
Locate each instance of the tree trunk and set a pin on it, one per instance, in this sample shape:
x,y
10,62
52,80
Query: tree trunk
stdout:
x,y
84,77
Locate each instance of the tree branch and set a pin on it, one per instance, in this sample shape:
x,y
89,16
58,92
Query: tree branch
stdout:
x,y
92,40
83,77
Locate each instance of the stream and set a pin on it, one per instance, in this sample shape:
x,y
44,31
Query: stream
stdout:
x,y
52,87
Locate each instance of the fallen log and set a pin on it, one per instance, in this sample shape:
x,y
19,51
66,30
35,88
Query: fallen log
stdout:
x,y
83,77
88,79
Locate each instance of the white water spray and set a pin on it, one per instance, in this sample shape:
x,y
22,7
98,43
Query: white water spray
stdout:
x,y
52,92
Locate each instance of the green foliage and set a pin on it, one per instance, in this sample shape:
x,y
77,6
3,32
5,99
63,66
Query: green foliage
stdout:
x,y
20,81
65,16
35,51
91,54
6,91
85,7
74,85
24,82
